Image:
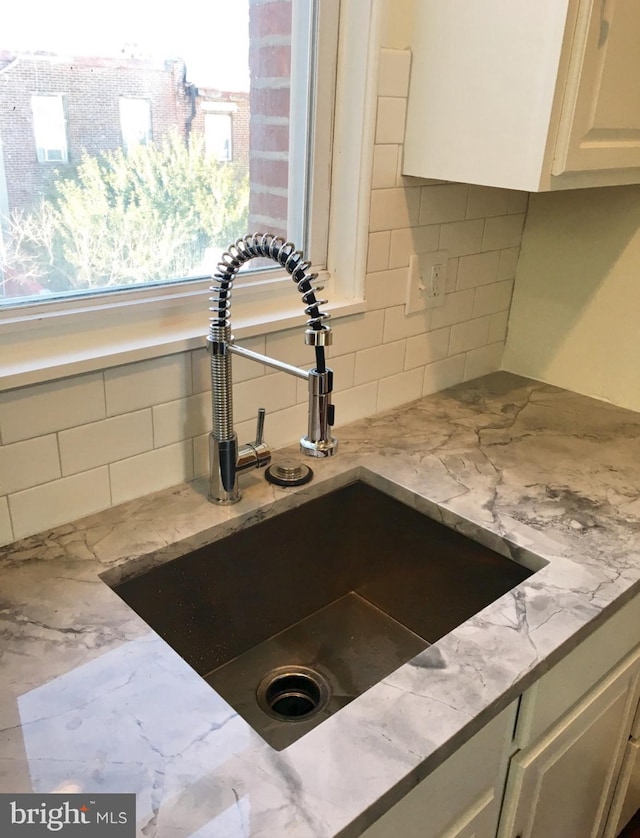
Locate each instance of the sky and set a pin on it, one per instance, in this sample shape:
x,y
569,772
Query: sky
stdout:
x,y
212,39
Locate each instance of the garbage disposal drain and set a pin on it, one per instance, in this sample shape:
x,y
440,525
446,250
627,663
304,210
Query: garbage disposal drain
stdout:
x,y
293,693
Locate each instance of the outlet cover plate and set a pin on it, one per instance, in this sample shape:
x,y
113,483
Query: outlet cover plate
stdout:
x,y
422,292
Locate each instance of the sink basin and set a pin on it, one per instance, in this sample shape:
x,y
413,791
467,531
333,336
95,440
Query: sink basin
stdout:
x,y
294,617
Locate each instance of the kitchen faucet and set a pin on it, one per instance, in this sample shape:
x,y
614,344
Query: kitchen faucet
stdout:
x,y
226,458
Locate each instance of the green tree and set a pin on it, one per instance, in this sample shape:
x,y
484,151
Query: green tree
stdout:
x,y
131,217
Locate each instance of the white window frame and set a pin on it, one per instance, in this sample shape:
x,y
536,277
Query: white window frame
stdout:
x,y
219,115
43,149
123,107
45,341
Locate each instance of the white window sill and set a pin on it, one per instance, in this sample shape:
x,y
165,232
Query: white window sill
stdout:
x,y
102,336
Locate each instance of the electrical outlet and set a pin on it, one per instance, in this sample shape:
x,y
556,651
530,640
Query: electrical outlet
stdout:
x,y
426,281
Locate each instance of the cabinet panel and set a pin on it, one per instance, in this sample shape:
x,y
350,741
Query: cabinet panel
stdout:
x,y
525,95
600,124
563,784
461,798
626,801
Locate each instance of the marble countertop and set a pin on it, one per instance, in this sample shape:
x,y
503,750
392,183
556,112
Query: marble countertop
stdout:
x,y
92,700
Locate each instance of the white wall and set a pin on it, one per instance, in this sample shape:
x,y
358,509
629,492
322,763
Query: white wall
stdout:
x,y
78,445
575,318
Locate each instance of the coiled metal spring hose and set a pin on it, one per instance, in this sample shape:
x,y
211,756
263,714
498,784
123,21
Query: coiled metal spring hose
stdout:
x,y
285,254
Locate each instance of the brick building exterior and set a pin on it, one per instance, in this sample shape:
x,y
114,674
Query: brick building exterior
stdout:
x,y
91,91
270,71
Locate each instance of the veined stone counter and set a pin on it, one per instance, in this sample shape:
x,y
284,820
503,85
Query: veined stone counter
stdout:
x,y
92,700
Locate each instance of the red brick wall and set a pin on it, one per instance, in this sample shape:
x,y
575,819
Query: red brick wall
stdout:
x,y
270,68
91,89
240,119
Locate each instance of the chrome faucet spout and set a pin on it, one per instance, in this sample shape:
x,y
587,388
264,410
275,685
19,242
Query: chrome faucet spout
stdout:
x,y
227,459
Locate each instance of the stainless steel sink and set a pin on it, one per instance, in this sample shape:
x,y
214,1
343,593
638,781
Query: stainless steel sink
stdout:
x,y
294,617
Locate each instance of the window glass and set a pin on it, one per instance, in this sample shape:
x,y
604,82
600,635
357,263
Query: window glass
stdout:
x,y
135,122
218,135
49,130
163,142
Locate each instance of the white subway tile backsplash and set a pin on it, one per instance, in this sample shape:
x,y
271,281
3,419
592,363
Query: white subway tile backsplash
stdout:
x,y
181,419
378,254
508,263
401,388
385,166
443,203
483,360
457,308
393,76
289,346
390,120
492,298
386,288
285,426
498,327
518,201
398,325
485,201
469,335
443,374
46,408
426,348
136,386
152,471
412,240
29,463
6,533
379,362
201,455
462,237
100,443
359,331
392,209
478,269
503,231
51,504
273,392
356,403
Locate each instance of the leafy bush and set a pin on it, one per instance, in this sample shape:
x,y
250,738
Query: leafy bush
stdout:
x,y
130,217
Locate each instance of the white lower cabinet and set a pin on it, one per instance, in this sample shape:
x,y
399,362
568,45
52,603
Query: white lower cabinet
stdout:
x,y
563,761
461,798
563,784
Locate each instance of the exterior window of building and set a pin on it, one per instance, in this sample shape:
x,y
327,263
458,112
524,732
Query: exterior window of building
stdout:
x,y
118,249
181,148
135,122
218,136
49,129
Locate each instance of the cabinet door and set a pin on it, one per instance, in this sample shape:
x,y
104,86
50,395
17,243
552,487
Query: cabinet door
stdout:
x,y
562,785
600,122
627,797
479,821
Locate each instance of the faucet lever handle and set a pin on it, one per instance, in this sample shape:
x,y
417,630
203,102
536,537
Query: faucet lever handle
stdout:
x,y
260,426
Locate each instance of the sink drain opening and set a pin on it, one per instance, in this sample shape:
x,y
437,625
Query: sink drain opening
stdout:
x,y
293,693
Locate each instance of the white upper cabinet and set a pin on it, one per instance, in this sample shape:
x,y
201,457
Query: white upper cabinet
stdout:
x,y
525,94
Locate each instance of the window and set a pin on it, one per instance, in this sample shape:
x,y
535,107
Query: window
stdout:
x,y
49,129
218,136
135,122
162,183
135,290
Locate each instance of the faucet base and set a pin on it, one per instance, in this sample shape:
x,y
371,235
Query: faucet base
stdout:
x,y
321,448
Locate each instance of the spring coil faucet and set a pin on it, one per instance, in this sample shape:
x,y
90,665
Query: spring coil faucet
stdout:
x,y
227,460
